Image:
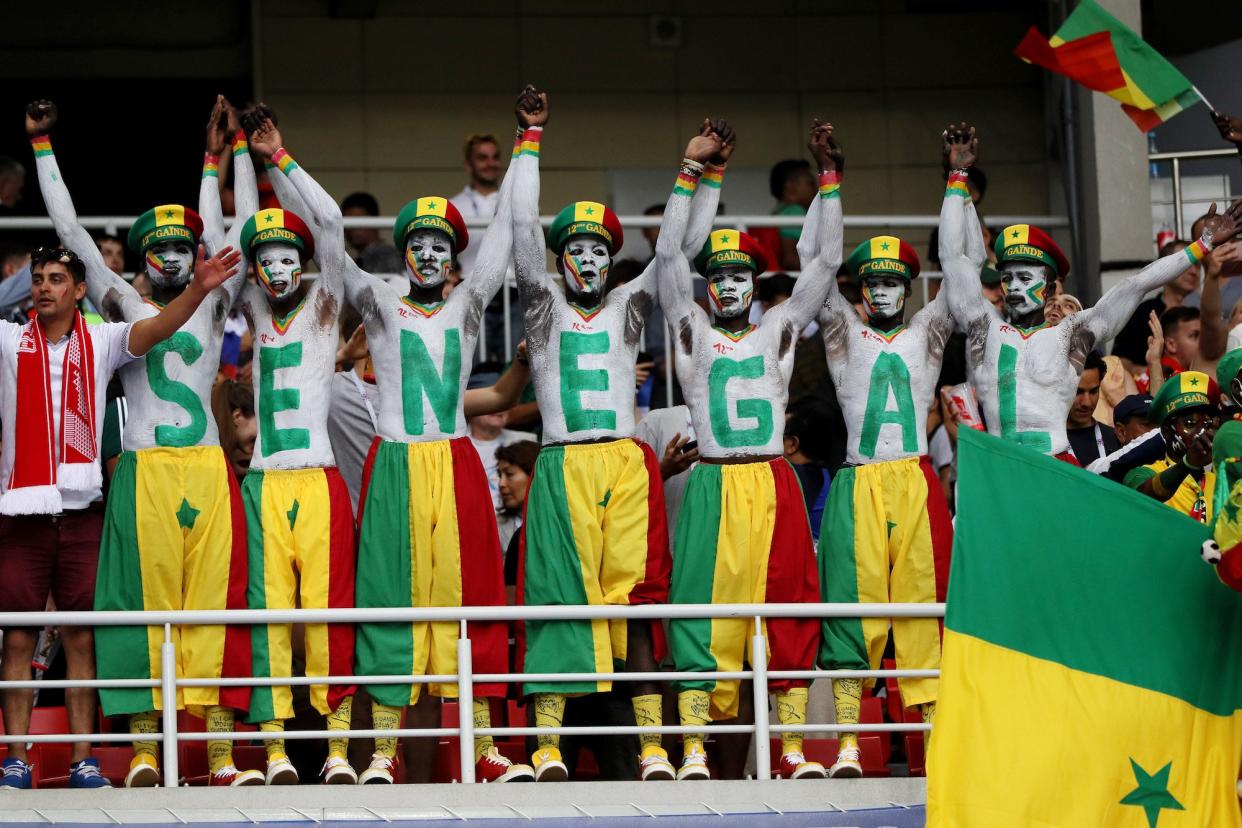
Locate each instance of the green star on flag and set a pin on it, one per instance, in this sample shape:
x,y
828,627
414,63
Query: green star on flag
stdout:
x,y
1015,234
269,218
1152,793
168,214
590,211
292,514
186,515
884,245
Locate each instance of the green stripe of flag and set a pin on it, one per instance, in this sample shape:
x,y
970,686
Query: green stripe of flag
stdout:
x,y
694,567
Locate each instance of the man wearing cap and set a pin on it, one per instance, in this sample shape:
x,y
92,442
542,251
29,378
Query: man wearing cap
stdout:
x,y
596,501
427,530
298,512
1186,409
1224,550
174,530
886,532
742,534
1229,378
1141,442
1026,371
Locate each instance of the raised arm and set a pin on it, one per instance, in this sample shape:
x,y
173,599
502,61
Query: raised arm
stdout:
x,y
106,290
528,257
209,274
707,198
1106,319
671,265
819,273
223,124
1214,335
1230,129
209,208
962,251
505,393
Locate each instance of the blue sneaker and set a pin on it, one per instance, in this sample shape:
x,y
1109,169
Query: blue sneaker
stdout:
x,y
85,774
16,774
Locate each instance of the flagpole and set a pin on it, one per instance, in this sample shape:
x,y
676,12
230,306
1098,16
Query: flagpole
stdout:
x,y
1203,97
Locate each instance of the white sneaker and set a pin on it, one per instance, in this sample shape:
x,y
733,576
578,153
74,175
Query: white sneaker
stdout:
x,y
655,767
848,764
281,772
337,771
379,772
693,766
795,766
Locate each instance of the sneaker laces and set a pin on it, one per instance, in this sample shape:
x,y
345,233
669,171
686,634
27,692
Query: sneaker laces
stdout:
x,y
226,771
378,761
851,754
87,770
18,768
497,758
694,757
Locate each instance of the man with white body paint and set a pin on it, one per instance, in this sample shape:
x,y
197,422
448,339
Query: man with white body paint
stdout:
x,y
172,534
1026,371
885,534
426,524
743,534
595,530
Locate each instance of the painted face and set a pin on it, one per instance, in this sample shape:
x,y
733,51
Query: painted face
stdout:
x,y
586,262
170,263
884,296
1025,287
428,257
730,290
279,268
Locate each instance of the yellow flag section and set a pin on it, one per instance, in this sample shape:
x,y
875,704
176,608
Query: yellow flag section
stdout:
x,y
1092,663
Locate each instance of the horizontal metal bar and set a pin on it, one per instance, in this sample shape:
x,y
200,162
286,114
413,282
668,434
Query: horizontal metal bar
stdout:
x,y
1184,154
61,738
755,220
147,618
263,736
68,684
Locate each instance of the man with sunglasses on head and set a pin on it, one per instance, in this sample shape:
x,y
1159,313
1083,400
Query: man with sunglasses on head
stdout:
x,y
54,373
1187,410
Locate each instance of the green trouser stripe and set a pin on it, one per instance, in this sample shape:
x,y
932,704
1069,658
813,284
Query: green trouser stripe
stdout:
x,y
121,652
553,575
385,573
262,706
842,646
694,572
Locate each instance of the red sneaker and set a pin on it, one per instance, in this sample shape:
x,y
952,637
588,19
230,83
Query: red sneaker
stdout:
x,y
230,777
496,768
795,766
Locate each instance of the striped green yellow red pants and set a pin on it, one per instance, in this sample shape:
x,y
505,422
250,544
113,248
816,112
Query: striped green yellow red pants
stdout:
x,y
427,538
743,537
300,530
885,537
595,533
174,538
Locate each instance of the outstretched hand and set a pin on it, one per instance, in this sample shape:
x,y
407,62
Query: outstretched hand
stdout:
x,y
355,348
41,116
676,459
218,127
532,107
1230,127
1219,228
209,274
261,129
825,148
961,147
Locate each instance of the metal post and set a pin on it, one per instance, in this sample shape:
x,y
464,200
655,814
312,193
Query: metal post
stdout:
x,y
168,689
465,704
1177,197
481,350
759,663
507,304
668,364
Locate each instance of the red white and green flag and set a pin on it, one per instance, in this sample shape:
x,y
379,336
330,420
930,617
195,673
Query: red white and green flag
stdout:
x,y
1095,49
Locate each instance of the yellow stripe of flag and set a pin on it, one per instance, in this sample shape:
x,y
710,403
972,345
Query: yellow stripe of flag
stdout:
x,y
432,206
885,247
589,211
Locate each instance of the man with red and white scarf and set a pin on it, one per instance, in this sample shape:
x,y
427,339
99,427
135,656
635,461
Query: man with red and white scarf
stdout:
x,y
54,372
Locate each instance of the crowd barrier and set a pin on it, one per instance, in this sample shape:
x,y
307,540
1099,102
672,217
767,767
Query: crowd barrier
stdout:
x,y
465,678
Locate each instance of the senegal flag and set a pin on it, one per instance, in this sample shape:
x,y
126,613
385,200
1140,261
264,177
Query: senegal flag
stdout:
x,y
1095,49
1092,662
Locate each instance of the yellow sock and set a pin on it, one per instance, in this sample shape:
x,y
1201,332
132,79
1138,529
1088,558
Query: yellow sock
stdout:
x,y
694,709
928,709
649,712
847,698
385,717
275,747
791,710
549,712
482,718
338,720
219,751
144,723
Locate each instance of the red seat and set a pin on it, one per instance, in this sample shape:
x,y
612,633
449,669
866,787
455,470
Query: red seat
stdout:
x,y
51,761
914,754
872,712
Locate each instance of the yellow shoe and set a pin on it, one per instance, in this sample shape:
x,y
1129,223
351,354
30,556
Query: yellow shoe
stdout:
x,y
548,765
144,772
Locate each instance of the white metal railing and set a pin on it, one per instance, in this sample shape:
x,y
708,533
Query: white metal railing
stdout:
x,y
1176,159
465,678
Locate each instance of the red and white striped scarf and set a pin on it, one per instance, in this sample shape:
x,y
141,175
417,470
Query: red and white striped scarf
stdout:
x,y
35,484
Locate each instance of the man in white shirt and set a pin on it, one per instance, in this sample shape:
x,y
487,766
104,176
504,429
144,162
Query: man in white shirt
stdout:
x,y
54,373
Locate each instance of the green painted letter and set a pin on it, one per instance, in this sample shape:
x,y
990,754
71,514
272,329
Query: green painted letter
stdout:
x,y
188,348
419,378
273,399
1007,391
888,373
575,380
748,408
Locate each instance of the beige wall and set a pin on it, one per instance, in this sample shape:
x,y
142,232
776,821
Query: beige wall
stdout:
x,y
382,104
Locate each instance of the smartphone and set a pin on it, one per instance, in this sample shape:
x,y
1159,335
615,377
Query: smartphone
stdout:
x,y
690,446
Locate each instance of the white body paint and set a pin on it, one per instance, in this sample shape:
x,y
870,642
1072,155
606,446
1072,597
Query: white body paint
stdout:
x,y
1021,283
1031,404
428,257
168,392
884,296
279,267
730,291
177,258
586,262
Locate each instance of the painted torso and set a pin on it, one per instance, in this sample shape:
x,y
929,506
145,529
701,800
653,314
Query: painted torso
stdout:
x,y
736,385
422,359
168,391
1025,380
885,381
294,359
583,364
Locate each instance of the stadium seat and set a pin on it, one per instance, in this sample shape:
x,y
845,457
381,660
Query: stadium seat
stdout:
x,y
51,761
